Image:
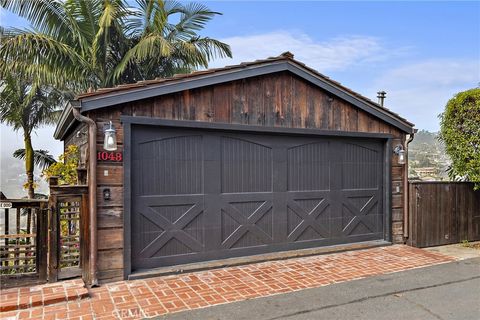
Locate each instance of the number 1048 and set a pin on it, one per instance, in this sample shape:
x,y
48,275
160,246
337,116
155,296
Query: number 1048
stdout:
x,y
109,156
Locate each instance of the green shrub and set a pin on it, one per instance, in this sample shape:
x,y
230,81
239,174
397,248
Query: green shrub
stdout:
x,y
460,131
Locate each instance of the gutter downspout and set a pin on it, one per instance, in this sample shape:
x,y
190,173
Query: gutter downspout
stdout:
x,y
405,190
92,187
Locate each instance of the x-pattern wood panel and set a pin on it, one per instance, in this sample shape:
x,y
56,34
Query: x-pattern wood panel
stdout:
x,y
247,223
309,219
360,215
171,229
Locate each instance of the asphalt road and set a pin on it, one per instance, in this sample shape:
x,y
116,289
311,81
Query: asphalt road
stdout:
x,y
447,291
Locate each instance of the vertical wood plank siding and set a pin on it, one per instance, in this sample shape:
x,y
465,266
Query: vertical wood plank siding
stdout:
x,y
280,100
443,213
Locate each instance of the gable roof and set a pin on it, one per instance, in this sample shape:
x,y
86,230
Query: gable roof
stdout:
x,y
107,97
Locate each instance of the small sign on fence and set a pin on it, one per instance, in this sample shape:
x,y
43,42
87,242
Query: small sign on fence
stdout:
x,y
5,205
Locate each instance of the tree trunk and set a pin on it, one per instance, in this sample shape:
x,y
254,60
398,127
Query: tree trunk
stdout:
x,y
29,165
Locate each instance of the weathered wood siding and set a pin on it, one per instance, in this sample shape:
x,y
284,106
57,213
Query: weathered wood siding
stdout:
x,y
79,136
281,100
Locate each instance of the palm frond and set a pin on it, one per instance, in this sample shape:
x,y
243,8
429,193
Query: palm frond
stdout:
x,y
24,52
195,16
47,16
212,48
82,44
42,158
152,46
28,105
11,101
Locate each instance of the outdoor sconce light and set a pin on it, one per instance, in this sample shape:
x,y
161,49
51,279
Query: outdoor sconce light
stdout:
x,y
110,142
106,194
400,152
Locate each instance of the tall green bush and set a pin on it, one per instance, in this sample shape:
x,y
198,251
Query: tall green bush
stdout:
x,y
460,131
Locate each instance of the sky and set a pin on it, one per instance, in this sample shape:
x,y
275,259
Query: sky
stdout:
x,y
420,53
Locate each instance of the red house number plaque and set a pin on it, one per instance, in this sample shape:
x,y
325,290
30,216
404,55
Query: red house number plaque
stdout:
x,y
109,156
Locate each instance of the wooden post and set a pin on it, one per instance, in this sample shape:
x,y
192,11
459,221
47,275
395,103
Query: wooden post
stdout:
x,y
84,239
7,227
53,181
17,239
42,241
52,238
29,224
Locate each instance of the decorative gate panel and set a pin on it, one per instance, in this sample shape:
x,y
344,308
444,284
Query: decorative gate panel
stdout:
x,y
68,216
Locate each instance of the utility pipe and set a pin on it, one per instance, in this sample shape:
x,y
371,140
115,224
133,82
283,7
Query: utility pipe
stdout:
x,y
405,190
92,187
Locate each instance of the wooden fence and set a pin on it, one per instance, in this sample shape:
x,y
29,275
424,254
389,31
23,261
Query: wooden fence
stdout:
x,y
443,213
23,239
44,240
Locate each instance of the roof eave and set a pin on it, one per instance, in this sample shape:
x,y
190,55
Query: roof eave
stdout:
x,y
145,92
66,121
367,106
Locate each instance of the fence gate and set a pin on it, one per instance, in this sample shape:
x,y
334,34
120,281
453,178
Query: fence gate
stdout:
x,y
68,219
44,240
68,232
443,213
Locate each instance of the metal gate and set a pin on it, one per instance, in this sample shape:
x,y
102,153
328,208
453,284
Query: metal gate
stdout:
x,y
201,195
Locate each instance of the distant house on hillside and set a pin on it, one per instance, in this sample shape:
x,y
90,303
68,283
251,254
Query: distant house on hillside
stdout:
x,y
427,171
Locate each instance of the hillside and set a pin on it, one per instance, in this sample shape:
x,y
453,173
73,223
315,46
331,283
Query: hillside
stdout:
x,y
427,158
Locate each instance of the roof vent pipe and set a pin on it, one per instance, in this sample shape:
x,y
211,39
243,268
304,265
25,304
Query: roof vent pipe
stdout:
x,y
381,97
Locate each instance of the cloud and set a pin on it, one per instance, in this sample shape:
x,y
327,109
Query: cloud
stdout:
x,y
335,54
419,91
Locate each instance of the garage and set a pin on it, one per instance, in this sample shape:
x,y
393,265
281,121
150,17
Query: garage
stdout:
x,y
204,194
256,159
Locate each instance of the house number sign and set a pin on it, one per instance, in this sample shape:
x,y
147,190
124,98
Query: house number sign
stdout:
x,y
109,156
6,205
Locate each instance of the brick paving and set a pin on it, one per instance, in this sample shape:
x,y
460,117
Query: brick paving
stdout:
x,y
156,296
42,295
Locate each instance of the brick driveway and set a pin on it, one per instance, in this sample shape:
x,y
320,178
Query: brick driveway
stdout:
x,y
155,296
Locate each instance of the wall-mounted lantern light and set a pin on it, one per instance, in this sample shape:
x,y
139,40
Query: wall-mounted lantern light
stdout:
x,y
400,152
110,142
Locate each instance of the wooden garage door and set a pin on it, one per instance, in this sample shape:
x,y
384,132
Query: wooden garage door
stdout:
x,y
201,195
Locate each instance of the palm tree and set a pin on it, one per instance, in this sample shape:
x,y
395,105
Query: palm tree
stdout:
x,y
80,45
87,44
162,48
68,48
27,106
